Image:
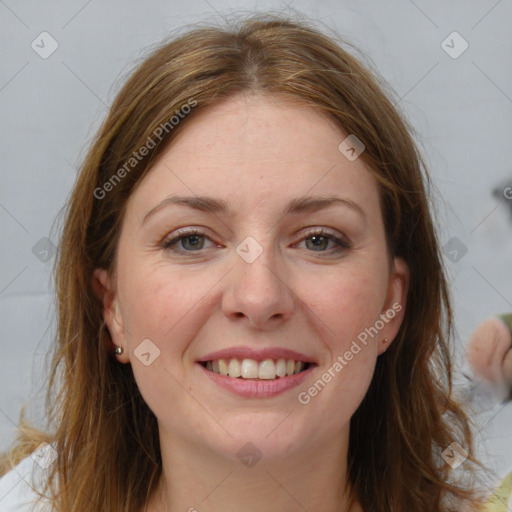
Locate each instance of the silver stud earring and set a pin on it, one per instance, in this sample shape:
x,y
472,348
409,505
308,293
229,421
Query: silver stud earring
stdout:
x,y
118,350
385,340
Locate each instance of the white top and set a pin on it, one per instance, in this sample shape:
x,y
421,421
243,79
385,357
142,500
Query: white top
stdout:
x,y
16,493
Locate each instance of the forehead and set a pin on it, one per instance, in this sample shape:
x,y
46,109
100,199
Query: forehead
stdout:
x,y
256,150
261,128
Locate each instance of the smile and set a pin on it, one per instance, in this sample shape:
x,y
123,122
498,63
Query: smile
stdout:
x,y
256,373
268,369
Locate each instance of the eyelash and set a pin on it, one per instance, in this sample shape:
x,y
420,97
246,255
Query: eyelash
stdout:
x,y
341,243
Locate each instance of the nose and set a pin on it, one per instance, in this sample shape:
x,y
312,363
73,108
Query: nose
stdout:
x,y
259,292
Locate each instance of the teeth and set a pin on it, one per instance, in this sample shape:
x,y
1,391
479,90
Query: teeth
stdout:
x,y
267,370
281,367
223,367
234,369
249,369
252,369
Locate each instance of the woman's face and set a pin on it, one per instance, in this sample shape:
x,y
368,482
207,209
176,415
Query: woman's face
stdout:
x,y
255,287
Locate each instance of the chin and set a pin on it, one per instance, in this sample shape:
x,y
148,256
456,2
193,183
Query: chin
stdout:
x,y
269,436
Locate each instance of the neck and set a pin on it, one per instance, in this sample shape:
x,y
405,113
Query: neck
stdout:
x,y
196,480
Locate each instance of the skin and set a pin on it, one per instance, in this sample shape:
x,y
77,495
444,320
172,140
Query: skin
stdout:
x,y
295,296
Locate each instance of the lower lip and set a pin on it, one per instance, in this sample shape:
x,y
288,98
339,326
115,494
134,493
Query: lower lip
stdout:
x,y
256,388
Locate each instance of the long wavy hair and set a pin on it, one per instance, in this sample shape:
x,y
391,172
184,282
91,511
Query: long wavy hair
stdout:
x,y
105,435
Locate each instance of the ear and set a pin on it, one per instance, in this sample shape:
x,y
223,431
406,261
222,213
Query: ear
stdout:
x,y
102,287
393,312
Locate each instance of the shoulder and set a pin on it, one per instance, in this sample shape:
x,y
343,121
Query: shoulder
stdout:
x,y
17,492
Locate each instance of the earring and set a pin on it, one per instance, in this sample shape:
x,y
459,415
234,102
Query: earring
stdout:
x,y
118,350
385,340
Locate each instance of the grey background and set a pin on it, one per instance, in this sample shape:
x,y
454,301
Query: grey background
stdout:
x,y
50,109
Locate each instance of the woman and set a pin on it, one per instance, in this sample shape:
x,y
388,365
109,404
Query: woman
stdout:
x,y
253,312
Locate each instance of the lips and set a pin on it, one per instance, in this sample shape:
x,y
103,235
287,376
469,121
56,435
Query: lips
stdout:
x,y
257,373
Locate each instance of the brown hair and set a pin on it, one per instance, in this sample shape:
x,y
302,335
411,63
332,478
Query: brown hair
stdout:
x,y
105,435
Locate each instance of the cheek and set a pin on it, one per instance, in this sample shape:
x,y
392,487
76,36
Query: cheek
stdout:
x,y
345,303
168,306
154,300
156,305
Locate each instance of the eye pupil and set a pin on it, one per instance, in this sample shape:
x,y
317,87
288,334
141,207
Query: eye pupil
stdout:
x,y
195,239
317,240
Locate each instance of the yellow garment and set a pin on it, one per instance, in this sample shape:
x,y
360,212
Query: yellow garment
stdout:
x,y
501,500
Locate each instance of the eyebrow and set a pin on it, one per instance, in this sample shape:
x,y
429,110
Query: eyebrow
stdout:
x,y
218,206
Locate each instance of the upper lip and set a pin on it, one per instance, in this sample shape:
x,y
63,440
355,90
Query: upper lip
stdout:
x,y
257,354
